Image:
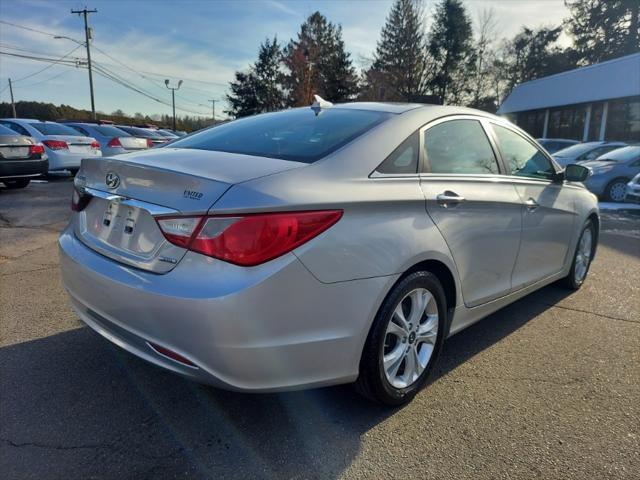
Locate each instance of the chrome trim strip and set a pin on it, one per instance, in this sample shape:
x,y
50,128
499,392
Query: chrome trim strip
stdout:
x,y
154,210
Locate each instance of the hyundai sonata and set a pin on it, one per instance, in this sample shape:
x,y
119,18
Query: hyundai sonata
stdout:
x,y
323,245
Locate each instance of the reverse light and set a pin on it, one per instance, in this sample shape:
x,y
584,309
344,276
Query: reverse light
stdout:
x,y
56,144
114,142
247,240
36,149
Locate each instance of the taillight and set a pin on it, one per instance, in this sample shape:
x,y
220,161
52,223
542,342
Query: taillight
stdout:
x,y
36,149
56,144
247,240
95,145
149,143
114,142
79,200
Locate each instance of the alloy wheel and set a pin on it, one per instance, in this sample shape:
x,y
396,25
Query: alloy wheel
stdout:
x,y
410,338
617,191
583,255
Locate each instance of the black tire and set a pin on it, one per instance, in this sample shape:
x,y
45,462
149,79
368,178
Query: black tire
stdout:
x,y
372,381
74,171
570,281
614,184
15,184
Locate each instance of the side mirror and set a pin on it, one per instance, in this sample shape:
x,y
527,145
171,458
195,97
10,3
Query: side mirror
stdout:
x,y
576,173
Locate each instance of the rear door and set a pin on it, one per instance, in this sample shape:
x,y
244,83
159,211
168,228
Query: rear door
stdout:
x,y
548,218
475,209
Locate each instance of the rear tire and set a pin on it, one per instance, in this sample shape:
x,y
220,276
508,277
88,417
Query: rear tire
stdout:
x,y
615,190
404,344
15,184
582,257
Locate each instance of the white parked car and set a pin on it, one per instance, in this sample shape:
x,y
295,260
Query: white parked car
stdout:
x,y
64,146
632,193
583,152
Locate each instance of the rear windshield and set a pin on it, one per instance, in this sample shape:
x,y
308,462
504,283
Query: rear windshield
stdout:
x,y
109,131
298,134
54,129
140,132
7,131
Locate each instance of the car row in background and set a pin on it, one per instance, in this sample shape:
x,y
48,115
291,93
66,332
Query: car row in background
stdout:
x,y
614,165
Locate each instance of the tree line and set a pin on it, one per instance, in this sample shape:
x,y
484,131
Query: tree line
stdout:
x,y
447,58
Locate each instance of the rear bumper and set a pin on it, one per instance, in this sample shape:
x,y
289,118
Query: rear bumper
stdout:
x,y
23,168
61,160
267,328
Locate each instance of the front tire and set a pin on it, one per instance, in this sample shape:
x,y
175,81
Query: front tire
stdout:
x,y
582,257
14,184
404,341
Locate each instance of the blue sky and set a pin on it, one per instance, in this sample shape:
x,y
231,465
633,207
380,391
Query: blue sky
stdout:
x,y
201,41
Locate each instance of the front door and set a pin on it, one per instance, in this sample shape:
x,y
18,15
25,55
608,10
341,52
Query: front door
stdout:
x,y
475,209
548,215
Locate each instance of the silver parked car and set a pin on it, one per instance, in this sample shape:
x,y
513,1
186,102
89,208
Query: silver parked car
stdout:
x,y
583,152
612,171
112,140
321,245
632,193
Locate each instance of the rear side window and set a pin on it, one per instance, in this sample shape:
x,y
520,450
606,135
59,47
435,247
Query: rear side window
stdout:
x,y
459,147
404,159
524,159
299,135
53,129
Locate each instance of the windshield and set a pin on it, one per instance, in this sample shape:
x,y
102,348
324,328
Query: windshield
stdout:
x,y
7,131
298,134
54,129
624,154
575,150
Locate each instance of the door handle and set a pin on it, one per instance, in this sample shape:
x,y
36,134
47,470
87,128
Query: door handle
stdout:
x,y
449,198
532,205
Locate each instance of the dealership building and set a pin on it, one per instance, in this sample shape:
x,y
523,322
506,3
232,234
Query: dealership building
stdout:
x,y
598,102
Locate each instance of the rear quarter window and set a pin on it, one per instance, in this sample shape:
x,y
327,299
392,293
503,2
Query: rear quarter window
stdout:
x,y
298,135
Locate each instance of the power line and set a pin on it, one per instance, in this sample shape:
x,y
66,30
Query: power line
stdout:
x,y
48,79
71,63
47,67
27,28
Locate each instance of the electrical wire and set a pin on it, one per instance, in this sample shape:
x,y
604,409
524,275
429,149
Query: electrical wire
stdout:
x,y
47,67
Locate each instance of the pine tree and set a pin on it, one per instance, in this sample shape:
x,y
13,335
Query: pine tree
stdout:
x,y
451,49
603,29
398,69
260,89
318,63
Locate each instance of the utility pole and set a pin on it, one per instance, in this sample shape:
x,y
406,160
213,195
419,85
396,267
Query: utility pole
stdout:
x,y
213,112
173,98
13,103
87,35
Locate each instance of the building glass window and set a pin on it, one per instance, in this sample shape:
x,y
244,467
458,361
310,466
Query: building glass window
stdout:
x,y
567,122
623,120
532,122
594,121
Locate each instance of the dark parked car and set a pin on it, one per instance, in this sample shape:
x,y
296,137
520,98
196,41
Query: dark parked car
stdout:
x,y
21,159
552,145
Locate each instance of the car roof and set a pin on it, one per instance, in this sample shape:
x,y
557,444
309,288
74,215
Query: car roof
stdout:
x,y
388,107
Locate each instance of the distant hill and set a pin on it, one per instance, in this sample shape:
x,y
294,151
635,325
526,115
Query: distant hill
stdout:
x,y
49,111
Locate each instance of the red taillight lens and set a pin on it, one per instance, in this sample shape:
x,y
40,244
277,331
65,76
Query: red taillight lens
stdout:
x,y
56,144
247,240
149,143
79,200
95,145
36,149
114,142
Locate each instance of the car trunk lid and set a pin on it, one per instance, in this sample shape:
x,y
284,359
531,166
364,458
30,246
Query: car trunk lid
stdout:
x,y
128,194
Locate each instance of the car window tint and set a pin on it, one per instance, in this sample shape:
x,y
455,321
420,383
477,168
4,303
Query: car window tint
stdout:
x,y
109,131
53,129
80,130
524,159
17,128
404,159
459,146
4,130
300,134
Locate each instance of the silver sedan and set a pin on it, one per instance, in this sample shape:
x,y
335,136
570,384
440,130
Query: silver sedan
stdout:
x,y
322,245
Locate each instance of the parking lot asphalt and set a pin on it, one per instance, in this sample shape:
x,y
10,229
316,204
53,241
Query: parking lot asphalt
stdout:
x,y
548,387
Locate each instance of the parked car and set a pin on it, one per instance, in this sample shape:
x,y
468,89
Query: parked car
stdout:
x,y
64,146
583,152
21,159
167,134
322,245
153,139
112,140
612,171
552,145
632,193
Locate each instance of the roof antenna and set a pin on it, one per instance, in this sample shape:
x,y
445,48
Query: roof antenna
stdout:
x,y
319,104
